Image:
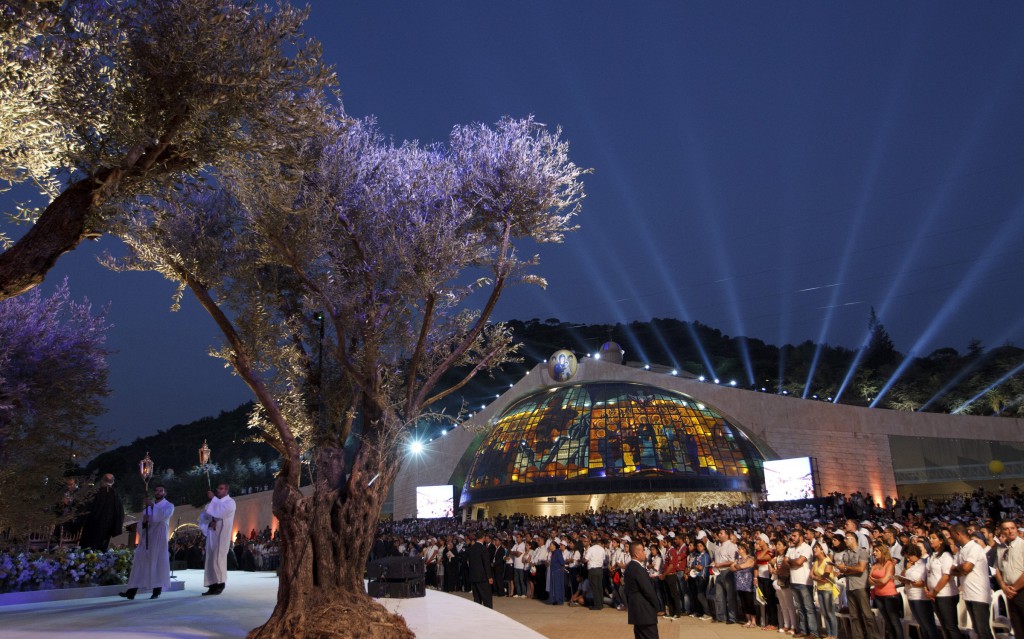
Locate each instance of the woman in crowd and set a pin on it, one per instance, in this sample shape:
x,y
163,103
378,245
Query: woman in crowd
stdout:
x,y
529,570
763,556
699,582
823,574
654,562
941,589
883,588
780,574
744,576
915,579
450,561
556,574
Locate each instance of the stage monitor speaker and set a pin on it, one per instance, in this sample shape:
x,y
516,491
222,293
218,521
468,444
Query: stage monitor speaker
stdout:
x,y
395,569
397,589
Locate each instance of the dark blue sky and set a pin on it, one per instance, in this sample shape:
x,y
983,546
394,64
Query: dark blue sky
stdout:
x,y
770,169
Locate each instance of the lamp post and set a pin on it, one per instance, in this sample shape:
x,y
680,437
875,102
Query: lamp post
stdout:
x,y
204,461
146,472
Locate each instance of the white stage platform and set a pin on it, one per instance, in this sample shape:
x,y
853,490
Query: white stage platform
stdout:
x,y
246,603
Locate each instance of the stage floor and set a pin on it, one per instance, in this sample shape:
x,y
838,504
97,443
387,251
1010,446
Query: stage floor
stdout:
x,y
246,603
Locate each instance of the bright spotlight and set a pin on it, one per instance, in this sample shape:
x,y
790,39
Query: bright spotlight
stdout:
x,y
716,380
732,382
700,379
416,447
597,355
675,372
647,367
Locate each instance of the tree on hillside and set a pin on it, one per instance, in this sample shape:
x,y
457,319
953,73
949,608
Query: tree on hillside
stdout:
x,y
347,282
101,101
880,355
53,376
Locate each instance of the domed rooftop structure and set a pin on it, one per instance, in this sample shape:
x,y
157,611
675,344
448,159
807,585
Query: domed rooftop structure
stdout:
x,y
610,437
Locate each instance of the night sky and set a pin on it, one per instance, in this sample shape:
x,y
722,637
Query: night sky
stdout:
x,y
771,169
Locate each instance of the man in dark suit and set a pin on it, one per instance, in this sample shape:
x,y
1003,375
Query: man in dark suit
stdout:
x,y
479,571
498,568
641,599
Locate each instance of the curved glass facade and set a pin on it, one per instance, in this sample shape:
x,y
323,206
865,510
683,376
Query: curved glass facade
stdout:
x,y
606,437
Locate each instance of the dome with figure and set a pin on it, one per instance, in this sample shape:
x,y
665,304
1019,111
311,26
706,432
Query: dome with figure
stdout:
x,y
610,437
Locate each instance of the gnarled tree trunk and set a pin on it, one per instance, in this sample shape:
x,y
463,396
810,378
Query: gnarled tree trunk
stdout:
x,y
325,539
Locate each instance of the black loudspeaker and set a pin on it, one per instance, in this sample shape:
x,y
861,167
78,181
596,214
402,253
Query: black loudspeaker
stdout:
x,y
397,589
396,569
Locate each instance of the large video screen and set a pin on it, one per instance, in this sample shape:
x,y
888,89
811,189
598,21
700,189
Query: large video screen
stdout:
x,y
789,479
435,501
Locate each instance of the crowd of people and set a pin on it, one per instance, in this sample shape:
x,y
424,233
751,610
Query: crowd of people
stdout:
x,y
789,568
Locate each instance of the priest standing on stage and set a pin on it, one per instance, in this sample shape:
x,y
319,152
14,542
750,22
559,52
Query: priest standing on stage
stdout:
x,y
215,522
151,568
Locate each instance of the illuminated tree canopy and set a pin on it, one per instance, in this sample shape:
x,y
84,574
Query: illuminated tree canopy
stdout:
x,y
101,101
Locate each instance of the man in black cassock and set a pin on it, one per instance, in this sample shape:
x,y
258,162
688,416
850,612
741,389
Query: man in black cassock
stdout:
x,y
104,517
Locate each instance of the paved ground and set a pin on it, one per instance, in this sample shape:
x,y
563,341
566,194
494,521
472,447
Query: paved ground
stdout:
x,y
562,622
249,600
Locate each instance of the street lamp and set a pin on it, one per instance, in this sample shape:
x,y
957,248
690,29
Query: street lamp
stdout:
x,y
146,472
204,461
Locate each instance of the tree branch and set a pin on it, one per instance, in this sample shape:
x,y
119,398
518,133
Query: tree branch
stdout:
x,y
243,366
500,275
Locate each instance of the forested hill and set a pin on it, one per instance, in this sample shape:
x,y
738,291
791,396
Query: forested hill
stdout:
x,y
943,381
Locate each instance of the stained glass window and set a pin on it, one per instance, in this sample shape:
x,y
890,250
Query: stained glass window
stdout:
x,y
607,430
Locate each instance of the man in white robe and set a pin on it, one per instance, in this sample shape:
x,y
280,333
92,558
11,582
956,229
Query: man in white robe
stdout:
x,y
216,522
151,568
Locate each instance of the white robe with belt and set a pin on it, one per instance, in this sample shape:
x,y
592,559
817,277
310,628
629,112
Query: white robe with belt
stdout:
x,y
218,540
151,567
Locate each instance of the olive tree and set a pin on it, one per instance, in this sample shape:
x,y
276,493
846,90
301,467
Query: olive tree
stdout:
x,y
102,101
53,378
346,283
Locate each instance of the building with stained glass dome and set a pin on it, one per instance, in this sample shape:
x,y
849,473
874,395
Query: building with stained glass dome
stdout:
x,y
578,434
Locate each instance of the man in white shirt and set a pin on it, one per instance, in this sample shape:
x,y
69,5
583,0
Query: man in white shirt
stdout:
x,y
216,522
972,568
1010,574
798,558
722,558
518,553
595,558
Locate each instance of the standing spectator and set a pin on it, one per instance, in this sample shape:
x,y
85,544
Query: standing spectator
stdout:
x,y
723,557
915,579
594,558
556,571
1010,574
518,553
104,517
798,558
854,566
763,555
743,573
825,584
941,588
972,568
883,589
675,562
